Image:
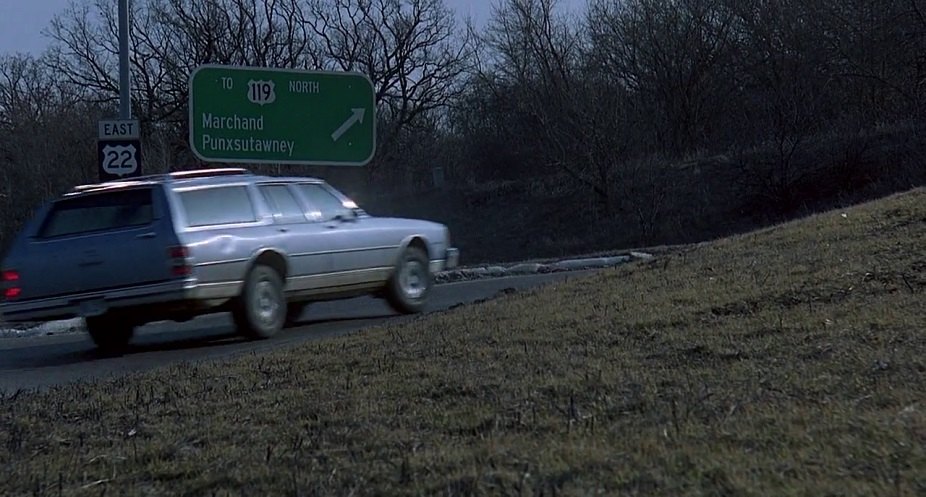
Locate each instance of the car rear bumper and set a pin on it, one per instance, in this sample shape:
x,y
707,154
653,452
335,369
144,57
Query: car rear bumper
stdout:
x,y
94,303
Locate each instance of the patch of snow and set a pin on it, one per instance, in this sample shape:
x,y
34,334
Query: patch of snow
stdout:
x,y
42,329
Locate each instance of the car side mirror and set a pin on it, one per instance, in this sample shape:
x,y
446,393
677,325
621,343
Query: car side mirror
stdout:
x,y
346,216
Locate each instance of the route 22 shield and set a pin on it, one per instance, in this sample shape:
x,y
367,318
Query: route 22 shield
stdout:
x,y
119,159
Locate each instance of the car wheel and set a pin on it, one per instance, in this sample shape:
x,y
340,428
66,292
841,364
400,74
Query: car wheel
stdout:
x,y
110,334
408,288
260,310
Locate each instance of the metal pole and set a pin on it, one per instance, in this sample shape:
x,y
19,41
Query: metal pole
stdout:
x,y
125,104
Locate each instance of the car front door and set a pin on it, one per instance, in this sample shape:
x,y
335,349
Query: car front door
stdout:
x,y
356,246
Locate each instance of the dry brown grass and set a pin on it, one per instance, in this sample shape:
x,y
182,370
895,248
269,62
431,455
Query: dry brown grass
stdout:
x,y
785,362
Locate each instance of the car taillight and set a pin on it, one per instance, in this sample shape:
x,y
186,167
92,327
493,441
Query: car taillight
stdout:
x,y
178,252
11,288
179,261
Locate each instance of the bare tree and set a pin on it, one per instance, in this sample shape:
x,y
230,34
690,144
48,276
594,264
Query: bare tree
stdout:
x,y
534,60
784,80
169,39
410,49
674,56
46,139
861,33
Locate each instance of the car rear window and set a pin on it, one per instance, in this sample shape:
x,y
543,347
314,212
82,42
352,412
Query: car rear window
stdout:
x,y
218,205
98,212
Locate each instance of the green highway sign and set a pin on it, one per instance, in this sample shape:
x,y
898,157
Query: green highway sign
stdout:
x,y
281,116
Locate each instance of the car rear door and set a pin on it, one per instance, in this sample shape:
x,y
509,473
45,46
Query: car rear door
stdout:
x,y
97,241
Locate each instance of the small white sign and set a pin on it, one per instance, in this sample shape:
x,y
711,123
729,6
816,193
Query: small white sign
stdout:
x,y
119,129
261,92
120,159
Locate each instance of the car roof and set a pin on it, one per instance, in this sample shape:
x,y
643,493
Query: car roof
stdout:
x,y
198,177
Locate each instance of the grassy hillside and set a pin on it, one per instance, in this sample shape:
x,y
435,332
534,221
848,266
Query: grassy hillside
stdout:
x,y
789,361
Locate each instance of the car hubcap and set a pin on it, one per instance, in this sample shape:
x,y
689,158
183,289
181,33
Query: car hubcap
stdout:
x,y
414,279
266,302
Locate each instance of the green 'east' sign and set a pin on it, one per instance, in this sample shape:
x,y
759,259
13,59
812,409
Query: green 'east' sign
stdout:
x,y
281,116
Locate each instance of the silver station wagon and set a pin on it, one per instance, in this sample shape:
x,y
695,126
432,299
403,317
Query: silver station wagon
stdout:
x,y
171,247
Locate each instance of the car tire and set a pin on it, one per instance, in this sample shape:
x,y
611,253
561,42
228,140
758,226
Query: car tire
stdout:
x,y
410,285
260,310
110,334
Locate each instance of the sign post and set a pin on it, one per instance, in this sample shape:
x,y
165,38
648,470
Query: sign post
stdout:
x,y
125,89
281,116
119,143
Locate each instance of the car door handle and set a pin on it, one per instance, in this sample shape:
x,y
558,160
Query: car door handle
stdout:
x,y
283,230
147,235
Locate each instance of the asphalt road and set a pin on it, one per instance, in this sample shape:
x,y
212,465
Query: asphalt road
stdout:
x,y
39,362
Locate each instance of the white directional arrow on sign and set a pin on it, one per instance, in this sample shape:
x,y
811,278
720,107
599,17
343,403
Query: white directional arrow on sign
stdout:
x,y
356,116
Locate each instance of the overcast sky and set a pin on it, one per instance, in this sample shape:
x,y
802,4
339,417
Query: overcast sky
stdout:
x,y
22,21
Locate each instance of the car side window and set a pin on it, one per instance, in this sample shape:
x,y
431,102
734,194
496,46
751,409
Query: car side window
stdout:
x,y
325,205
283,204
218,205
